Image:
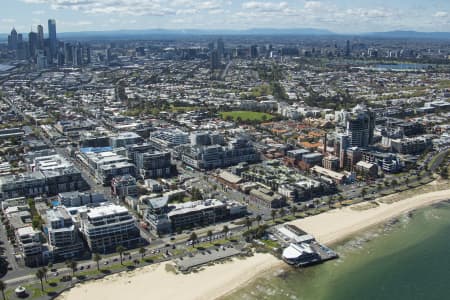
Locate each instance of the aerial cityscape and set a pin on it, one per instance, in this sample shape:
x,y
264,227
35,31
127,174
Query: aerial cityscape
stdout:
x,y
227,161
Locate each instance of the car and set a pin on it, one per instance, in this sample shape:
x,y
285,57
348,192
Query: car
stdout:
x,y
55,273
106,262
167,245
82,268
115,259
88,266
172,238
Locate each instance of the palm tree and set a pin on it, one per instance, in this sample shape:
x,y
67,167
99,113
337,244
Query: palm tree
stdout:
x,y
282,212
71,264
273,213
329,201
293,210
258,219
142,251
209,234
193,238
3,288
225,230
120,249
97,258
340,198
363,192
248,223
45,270
40,275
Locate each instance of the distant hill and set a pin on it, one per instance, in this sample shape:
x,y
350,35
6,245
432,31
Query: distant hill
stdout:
x,y
191,32
411,34
174,33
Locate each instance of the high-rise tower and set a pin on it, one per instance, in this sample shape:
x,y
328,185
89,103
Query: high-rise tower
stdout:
x,y
52,37
40,33
12,40
360,126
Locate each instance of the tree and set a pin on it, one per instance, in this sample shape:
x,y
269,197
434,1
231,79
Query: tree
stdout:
x,y
120,249
394,182
273,213
340,198
71,264
196,194
209,234
142,251
406,180
45,270
329,201
282,212
248,223
363,192
193,238
293,210
444,172
40,274
3,288
225,230
258,219
97,258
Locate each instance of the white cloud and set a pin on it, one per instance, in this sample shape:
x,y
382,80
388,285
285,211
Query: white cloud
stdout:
x,y
134,7
80,23
38,12
441,14
313,5
369,13
8,20
265,6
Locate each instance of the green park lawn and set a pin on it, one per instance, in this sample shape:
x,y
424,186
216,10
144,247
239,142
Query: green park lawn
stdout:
x,y
246,115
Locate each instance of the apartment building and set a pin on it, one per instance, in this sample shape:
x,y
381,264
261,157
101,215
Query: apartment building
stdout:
x,y
107,226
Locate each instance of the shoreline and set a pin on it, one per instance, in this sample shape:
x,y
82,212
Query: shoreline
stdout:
x,y
220,280
339,224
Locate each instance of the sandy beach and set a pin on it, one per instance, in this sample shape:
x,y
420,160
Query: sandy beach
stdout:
x,y
154,282
338,224
218,280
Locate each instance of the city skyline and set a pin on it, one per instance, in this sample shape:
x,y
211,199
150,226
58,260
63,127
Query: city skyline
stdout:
x,y
337,16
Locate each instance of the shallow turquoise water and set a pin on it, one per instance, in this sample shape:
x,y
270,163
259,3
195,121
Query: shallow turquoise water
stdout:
x,y
408,259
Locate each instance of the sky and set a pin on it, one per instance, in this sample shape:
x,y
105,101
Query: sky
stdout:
x,y
341,16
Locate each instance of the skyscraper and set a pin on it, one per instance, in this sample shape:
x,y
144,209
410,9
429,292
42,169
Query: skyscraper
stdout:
x,y
52,37
12,40
40,33
360,126
220,49
32,44
254,51
347,49
214,60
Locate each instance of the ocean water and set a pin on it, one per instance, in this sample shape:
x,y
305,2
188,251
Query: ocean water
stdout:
x,y
408,258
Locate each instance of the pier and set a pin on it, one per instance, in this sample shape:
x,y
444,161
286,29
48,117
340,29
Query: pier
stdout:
x,y
301,249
